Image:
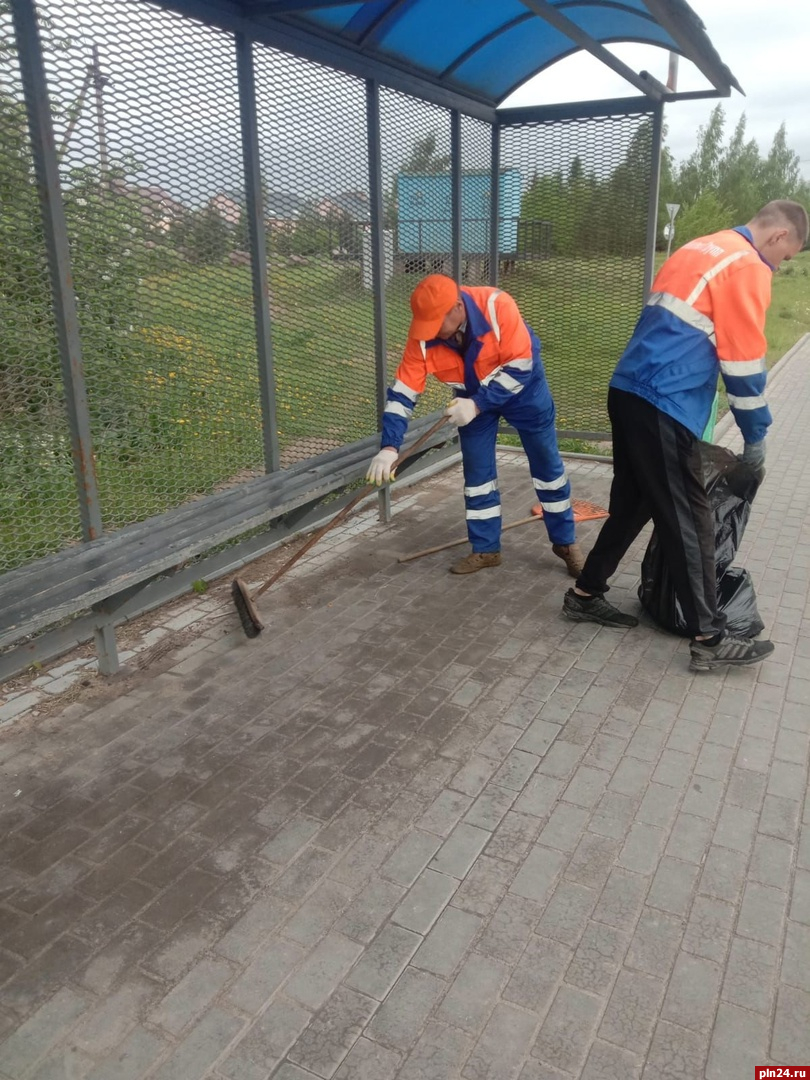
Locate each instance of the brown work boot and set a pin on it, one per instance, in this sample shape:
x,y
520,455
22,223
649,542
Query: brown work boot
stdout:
x,y
572,556
477,560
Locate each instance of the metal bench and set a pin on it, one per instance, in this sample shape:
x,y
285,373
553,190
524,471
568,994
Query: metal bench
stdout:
x,y
124,573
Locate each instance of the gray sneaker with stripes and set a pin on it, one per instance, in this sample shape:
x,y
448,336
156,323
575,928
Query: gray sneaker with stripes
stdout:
x,y
728,652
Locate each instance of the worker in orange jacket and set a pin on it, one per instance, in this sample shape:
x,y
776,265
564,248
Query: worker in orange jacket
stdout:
x,y
705,317
475,340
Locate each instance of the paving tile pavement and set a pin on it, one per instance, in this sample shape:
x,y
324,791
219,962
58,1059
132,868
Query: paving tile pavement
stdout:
x,y
423,827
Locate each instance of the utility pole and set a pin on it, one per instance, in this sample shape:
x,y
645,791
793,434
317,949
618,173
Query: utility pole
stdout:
x,y
99,81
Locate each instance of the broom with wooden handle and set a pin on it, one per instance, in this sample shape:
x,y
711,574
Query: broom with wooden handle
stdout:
x,y
245,602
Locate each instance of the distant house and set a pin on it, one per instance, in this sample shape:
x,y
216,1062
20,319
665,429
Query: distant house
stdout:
x,y
160,208
228,208
281,210
352,204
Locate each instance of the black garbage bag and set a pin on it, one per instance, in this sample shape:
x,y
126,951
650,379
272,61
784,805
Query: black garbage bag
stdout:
x,y
731,485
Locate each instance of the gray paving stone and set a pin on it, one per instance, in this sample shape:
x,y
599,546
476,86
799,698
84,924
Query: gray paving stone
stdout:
x,y
290,839
424,903
514,837
675,1054
567,913
192,995
598,957
325,1042
367,912
323,969
474,775
448,942
736,829
642,849
739,1043
613,816
439,1054
444,813
263,976
565,827
566,1033
723,874
709,928
133,1059
692,994
539,796
762,912
503,1045
608,1062
410,857
631,777
400,1019
383,961
800,902
536,977
591,863
317,914
632,1011
369,1061
780,818
703,798
473,993
32,1040
655,943
516,770
266,1042
536,878
508,929
490,808
205,1042
460,850
751,975
791,1026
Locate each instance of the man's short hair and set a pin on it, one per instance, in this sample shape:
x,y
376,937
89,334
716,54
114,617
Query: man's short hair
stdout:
x,y
784,212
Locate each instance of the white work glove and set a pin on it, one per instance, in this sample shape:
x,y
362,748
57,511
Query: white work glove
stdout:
x,y
380,469
754,454
461,411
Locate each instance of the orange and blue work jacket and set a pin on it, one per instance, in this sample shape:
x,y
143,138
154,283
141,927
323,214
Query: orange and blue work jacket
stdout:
x,y
498,358
706,314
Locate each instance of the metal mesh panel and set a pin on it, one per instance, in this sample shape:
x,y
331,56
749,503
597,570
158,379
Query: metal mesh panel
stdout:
x,y
415,150
577,269
146,119
314,158
38,507
476,200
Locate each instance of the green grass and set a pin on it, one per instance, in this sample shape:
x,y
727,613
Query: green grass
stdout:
x,y
176,397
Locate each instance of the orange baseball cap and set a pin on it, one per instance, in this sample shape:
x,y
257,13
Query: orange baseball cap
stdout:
x,y
431,301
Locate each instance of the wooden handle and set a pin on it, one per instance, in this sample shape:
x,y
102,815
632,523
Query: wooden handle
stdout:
x,y
363,493
463,540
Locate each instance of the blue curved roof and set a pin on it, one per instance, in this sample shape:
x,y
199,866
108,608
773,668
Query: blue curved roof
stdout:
x,y
477,51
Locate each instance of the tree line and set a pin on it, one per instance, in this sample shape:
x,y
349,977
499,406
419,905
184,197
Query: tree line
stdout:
x,y
721,184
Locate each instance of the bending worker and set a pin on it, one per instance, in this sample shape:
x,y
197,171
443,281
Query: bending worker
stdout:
x,y
704,317
475,340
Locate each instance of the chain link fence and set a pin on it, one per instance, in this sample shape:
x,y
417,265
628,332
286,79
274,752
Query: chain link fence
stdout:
x,y
39,511
578,271
147,109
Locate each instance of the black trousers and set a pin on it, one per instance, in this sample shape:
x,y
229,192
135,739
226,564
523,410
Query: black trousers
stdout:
x,y
658,476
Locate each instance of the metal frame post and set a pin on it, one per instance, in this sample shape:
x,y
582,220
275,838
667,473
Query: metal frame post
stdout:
x,y
655,184
46,165
494,205
373,136
254,208
455,183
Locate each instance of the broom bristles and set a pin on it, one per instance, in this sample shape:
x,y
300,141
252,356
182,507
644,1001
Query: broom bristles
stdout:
x,y
246,609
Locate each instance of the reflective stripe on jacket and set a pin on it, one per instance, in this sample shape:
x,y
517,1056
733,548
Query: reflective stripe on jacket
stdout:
x,y
706,314
500,357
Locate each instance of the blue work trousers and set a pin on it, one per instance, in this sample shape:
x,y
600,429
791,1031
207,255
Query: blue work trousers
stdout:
x,y
531,413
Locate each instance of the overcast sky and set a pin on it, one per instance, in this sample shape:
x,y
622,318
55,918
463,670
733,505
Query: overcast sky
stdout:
x,y
767,47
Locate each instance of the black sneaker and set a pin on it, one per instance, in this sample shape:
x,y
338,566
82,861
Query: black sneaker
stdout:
x,y
596,609
729,651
